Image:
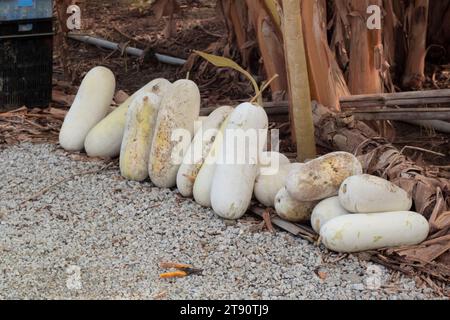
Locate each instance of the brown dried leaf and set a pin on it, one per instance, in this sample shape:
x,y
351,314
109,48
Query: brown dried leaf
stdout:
x,y
61,98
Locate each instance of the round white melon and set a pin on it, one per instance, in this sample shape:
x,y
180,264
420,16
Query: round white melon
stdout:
x,y
293,210
321,178
368,194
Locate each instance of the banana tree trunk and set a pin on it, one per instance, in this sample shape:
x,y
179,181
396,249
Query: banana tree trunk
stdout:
x,y
366,51
414,75
325,77
270,43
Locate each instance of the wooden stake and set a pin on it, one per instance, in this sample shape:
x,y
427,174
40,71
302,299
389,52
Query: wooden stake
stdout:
x,y
299,90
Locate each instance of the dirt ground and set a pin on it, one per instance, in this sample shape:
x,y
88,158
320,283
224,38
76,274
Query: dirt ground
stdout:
x,y
197,28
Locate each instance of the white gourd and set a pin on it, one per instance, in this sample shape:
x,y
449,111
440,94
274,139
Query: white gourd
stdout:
x,y
362,232
90,106
233,182
321,178
325,211
199,150
203,182
268,185
105,139
369,194
138,135
293,210
179,110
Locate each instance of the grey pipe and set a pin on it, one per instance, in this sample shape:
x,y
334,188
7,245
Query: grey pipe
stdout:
x,y
130,50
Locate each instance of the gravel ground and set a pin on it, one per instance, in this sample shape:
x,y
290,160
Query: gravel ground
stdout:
x,y
100,237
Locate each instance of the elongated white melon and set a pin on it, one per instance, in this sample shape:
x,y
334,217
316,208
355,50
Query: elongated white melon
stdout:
x,y
237,165
203,182
361,232
325,211
369,194
89,107
293,210
199,123
138,135
179,109
267,186
199,150
321,178
105,139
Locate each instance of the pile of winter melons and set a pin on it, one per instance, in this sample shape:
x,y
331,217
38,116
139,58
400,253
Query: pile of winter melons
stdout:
x,y
351,211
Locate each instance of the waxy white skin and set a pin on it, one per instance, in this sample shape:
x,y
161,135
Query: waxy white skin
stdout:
x,y
203,182
232,185
199,150
325,211
90,106
267,186
180,108
293,210
369,194
105,139
362,232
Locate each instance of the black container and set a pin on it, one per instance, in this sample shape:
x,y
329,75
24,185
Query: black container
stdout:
x,y
26,63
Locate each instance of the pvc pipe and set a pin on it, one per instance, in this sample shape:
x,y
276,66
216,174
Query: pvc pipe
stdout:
x,y
129,50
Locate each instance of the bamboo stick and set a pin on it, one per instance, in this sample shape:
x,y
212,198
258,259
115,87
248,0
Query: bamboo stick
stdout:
x,y
299,91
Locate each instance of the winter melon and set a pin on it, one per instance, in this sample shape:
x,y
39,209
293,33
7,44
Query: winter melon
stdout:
x,y
105,139
138,135
199,150
180,108
90,106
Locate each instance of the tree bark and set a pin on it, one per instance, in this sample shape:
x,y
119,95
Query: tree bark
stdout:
x,y
251,22
439,24
270,44
325,77
414,75
366,51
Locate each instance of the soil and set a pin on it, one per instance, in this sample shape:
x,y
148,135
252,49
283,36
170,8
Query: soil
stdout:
x,y
123,23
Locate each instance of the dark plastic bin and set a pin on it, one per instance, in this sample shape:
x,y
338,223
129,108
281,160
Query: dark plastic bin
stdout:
x,y
26,63
15,10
